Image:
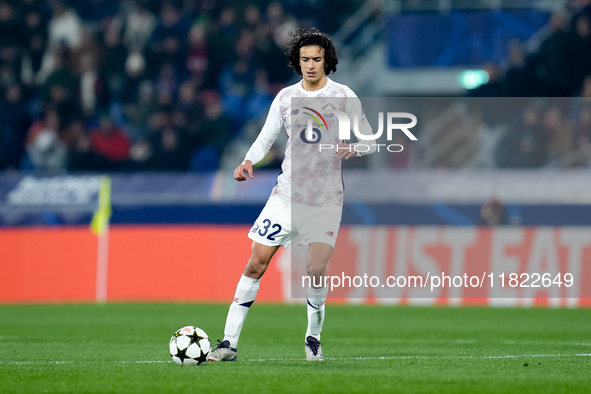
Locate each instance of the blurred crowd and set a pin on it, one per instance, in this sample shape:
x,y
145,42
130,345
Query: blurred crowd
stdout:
x,y
546,130
557,68
107,85
104,85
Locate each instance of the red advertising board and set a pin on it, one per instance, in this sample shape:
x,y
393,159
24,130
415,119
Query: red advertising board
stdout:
x,y
517,266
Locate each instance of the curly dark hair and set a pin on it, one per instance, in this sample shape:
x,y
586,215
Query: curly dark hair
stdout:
x,y
308,37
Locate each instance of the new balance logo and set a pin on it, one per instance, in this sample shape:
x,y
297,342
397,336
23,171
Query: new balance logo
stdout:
x,y
329,233
236,300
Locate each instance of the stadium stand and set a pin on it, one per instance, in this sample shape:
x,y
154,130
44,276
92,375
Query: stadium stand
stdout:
x,y
160,85
104,85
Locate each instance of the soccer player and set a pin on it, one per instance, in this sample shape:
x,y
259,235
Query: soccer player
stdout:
x,y
317,196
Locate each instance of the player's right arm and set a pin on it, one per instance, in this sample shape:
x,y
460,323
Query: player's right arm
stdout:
x,y
262,144
244,167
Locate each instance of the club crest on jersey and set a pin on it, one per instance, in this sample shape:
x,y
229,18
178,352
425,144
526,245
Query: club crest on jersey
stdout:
x,y
312,134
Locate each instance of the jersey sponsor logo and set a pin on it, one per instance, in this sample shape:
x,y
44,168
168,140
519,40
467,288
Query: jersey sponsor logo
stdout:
x,y
329,233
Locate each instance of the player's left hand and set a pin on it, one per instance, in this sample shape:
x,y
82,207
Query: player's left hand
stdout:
x,y
345,151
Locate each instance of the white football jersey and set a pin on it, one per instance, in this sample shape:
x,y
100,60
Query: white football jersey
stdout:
x,y
310,175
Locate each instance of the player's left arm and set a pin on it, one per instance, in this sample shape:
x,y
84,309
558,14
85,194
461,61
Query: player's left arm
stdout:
x,y
355,111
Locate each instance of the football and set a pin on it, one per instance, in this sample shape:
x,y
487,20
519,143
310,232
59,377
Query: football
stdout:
x,y
189,346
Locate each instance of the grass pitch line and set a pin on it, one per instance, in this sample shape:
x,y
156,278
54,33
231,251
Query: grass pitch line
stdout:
x,y
474,341
77,362
503,356
560,343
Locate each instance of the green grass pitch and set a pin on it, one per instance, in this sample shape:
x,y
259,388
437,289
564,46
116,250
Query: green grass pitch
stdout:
x,y
123,348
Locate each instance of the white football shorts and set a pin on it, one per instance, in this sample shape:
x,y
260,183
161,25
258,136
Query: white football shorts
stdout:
x,y
281,221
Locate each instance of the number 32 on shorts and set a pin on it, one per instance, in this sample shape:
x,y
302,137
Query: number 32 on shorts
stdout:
x,y
267,225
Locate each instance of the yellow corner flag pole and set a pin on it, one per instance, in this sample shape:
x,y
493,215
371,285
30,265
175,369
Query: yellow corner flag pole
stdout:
x,y
100,226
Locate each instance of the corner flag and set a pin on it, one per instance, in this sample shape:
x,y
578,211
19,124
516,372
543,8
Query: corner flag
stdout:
x,y
100,219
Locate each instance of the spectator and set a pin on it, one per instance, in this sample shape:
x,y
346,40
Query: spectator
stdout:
x,y
583,136
559,132
13,126
586,89
243,69
524,145
11,38
81,156
135,67
271,55
190,109
165,44
581,51
169,153
254,23
583,128
279,22
93,91
554,65
110,142
521,79
9,148
139,112
40,6
45,149
221,45
493,213
139,25
227,28
216,129
61,76
10,28
97,14
34,40
114,57
197,60
65,27
14,119
167,80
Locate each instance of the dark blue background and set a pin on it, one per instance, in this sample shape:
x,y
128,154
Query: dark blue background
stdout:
x,y
459,38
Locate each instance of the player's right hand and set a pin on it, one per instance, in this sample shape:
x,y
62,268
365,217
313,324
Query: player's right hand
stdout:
x,y
246,166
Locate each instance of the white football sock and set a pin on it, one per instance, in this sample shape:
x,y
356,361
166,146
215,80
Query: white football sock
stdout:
x,y
246,292
316,303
